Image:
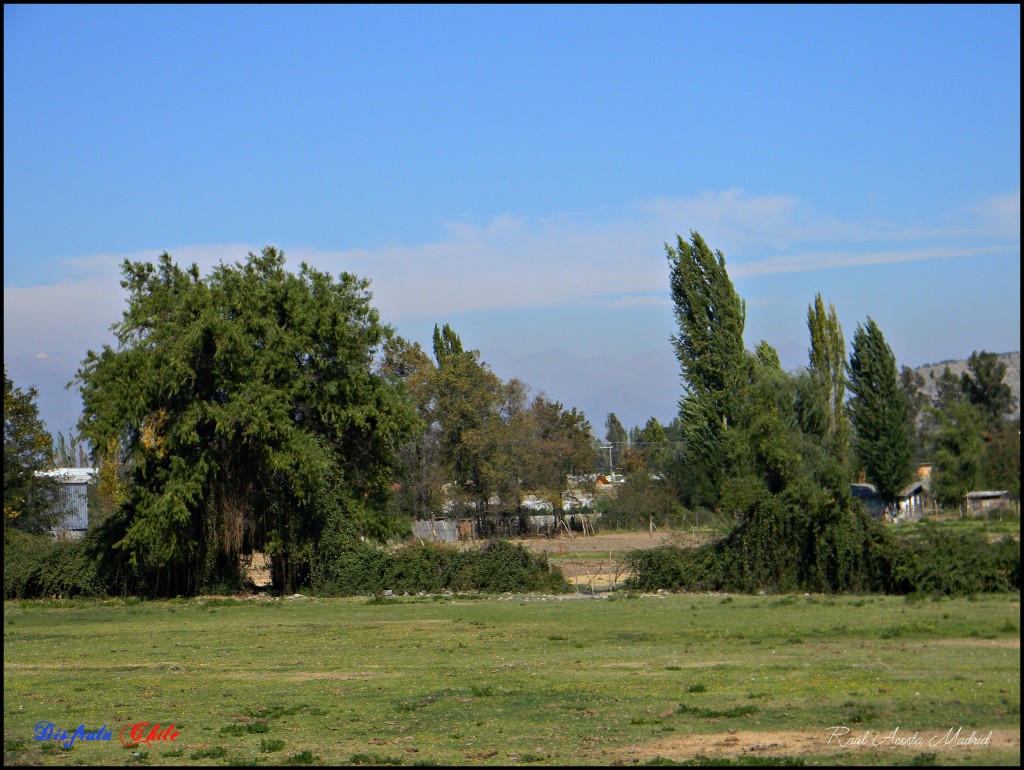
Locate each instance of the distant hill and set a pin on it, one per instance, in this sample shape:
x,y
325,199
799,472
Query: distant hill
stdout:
x,y
931,372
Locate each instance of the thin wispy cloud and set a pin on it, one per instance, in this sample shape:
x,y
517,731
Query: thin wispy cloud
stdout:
x,y
838,260
1000,215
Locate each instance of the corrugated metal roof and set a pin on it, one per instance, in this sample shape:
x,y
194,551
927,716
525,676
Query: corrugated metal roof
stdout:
x,y
71,475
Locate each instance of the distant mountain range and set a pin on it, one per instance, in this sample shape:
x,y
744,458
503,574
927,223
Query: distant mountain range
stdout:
x,y
931,372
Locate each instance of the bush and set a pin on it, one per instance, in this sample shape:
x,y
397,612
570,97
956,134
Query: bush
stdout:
x,y
937,561
36,566
344,565
502,566
674,569
849,556
791,541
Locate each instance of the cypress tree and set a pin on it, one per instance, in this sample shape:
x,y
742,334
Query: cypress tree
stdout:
x,y
878,412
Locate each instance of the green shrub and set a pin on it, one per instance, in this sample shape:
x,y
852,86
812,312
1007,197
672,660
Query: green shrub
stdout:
x,y
36,566
502,566
344,565
935,560
214,752
305,757
270,745
850,554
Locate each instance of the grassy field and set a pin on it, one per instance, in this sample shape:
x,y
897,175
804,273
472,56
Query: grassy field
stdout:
x,y
514,680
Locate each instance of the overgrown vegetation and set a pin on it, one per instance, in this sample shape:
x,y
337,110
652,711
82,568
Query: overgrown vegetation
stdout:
x,y
856,555
345,565
769,446
36,566
243,408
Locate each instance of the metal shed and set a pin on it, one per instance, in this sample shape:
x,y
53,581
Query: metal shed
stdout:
x,y
72,500
986,500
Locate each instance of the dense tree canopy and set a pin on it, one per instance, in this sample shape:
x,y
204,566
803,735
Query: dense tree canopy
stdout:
x,y
972,443
472,407
481,444
246,410
957,451
763,444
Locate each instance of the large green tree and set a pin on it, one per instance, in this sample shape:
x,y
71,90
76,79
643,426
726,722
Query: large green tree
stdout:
x,y
878,412
797,527
247,413
557,443
472,408
28,497
753,443
650,451
912,385
710,317
481,444
1001,463
972,443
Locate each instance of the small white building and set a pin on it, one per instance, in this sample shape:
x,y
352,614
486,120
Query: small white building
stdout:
x,y
910,501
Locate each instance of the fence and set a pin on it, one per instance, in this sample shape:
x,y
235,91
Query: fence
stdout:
x,y
486,526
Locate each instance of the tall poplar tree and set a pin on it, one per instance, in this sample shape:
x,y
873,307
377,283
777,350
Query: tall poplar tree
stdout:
x,y
709,346
878,412
827,365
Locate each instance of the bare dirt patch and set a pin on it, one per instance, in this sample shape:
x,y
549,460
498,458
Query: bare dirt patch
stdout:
x,y
616,542
259,570
793,743
598,562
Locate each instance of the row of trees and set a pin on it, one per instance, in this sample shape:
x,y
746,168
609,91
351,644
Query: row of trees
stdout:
x,y
256,409
482,443
857,418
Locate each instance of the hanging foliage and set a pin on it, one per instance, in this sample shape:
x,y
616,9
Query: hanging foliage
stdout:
x,y
245,406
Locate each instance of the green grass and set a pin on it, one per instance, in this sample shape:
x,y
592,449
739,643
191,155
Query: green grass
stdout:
x,y
510,679
992,524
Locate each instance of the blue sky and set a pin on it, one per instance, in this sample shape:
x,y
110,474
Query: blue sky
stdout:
x,y
515,171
